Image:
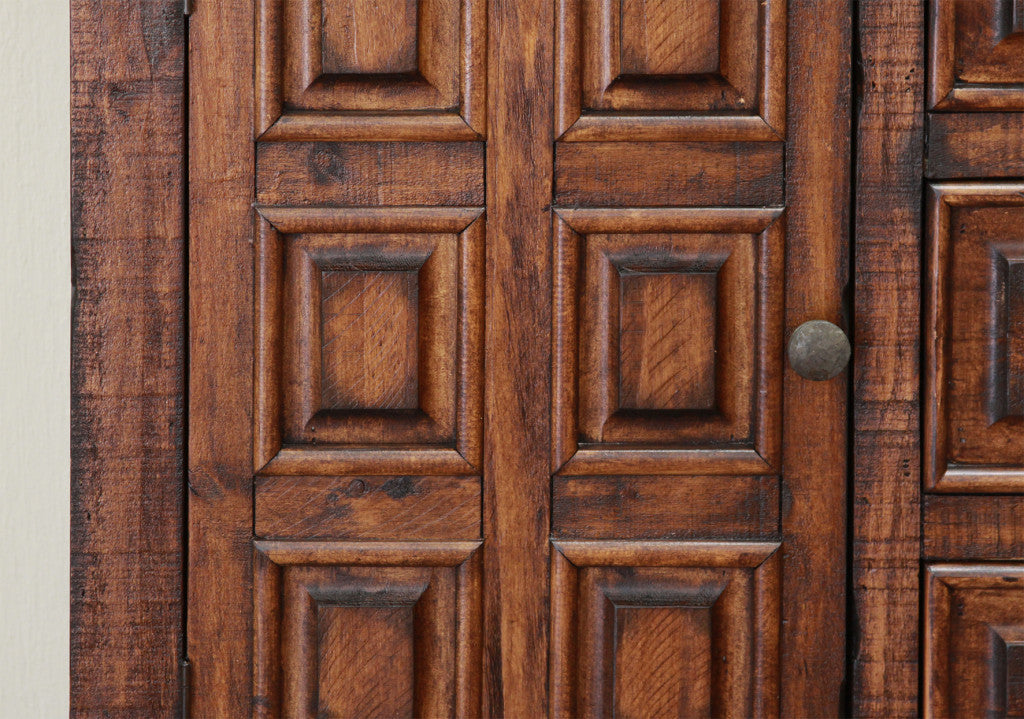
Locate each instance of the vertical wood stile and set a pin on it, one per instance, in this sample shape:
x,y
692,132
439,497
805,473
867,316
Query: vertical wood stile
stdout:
x,y
517,343
221,227
814,417
886,413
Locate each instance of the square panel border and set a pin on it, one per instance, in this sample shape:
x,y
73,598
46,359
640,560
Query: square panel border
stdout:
x,y
939,475
458,576
945,93
765,121
570,456
271,455
411,110
575,672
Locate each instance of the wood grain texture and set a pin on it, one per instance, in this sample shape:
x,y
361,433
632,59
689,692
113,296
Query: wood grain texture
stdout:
x,y
665,507
517,343
366,37
128,357
975,249
817,271
973,640
372,629
386,173
956,528
886,372
975,145
653,42
668,173
369,339
665,629
221,335
397,508
651,70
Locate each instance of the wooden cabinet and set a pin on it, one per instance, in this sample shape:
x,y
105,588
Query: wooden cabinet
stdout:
x,y
485,403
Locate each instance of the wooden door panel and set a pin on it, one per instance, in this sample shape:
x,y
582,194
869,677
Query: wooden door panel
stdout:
x,y
366,630
974,640
304,333
665,629
974,412
334,68
398,522
977,55
709,284
693,69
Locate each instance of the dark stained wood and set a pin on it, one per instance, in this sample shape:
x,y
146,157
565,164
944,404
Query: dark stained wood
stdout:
x,y
635,626
976,55
973,635
517,343
886,373
814,416
599,427
958,528
367,629
668,173
385,173
974,273
128,357
665,507
398,508
221,278
975,145
670,71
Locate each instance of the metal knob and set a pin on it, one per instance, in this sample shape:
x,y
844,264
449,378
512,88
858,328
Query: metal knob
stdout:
x,y
818,350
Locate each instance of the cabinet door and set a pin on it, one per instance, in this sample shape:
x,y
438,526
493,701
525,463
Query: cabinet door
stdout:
x,y
489,407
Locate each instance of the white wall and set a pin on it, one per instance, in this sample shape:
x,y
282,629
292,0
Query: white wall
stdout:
x,y
35,315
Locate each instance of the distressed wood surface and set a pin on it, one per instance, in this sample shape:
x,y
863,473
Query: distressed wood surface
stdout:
x,y
127,376
886,447
814,418
517,381
221,227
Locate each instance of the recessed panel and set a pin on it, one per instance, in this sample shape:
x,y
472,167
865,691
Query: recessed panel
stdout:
x,y
977,55
355,69
681,69
663,661
369,339
366,630
363,314
365,661
974,640
667,340
368,37
974,432
651,41
664,629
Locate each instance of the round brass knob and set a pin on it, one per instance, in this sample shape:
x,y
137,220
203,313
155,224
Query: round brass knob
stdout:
x,y
818,350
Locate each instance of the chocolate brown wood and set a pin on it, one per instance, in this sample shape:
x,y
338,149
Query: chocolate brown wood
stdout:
x,y
886,494
488,413
128,358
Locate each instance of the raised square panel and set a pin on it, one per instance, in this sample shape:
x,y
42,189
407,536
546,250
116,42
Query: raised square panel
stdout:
x,y
369,337
667,341
665,629
976,55
974,325
671,69
366,630
974,641
370,69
